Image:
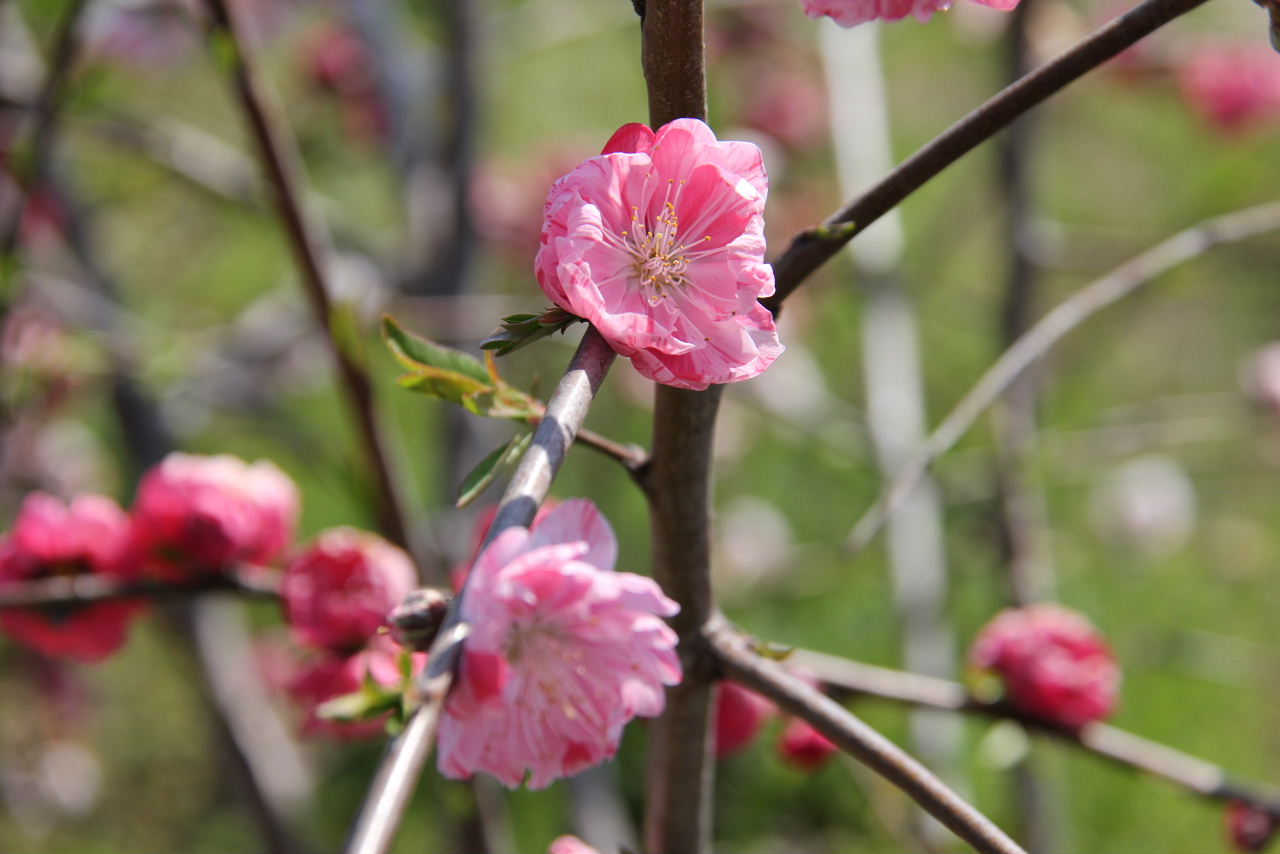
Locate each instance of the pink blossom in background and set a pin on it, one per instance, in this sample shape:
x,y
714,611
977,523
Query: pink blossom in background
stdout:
x,y
850,13
1262,377
201,514
337,61
803,747
740,715
313,681
1249,828
570,845
563,653
88,536
790,106
659,243
141,32
1233,87
1052,661
337,592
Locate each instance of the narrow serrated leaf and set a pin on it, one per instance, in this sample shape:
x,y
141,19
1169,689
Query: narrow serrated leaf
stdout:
x,y
486,471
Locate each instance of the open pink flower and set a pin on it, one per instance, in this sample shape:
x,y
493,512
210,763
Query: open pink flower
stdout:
x,y
1234,87
200,514
563,653
850,13
659,242
570,845
1052,661
90,535
337,591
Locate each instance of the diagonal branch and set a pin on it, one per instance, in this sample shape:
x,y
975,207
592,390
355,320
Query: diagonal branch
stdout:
x,y
384,805
1067,316
741,663
1116,745
282,171
810,249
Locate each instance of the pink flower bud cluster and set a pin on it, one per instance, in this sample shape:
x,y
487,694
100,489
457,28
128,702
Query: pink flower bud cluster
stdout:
x,y
193,516
1052,662
850,13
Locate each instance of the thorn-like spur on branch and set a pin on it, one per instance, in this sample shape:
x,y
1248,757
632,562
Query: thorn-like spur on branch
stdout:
x,y
383,809
1116,745
307,238
741,663
61,591
810,249
1051,328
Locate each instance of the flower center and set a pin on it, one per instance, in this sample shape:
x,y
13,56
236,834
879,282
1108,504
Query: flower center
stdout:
x,y
661,261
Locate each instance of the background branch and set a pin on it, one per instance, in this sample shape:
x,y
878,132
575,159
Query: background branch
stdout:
x,y
1050,329
742,664
810,249
1116,745
64,590
309,243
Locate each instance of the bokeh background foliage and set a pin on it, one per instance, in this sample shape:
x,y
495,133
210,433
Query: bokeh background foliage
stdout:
x,y
217,332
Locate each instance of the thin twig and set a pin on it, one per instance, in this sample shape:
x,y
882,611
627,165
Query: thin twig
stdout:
x,y
632,457
810,249
1116,745
680,771
282,170
61,591
383,809
1051,328
743,664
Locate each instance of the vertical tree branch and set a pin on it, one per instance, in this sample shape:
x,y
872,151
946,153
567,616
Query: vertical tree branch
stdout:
x,y
309,243
1023,515
679,775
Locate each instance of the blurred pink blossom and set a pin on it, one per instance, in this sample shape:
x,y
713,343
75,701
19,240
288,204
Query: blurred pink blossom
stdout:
x,y
88,536
740,715
659,243
563,653
1261,377
200,514
314,680
790,106
1233,87
1052,661
803,747
849,13
338,590
337,61
1249,828
570,845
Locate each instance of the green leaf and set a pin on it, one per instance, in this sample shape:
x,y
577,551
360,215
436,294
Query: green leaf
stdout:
x,y
416,353
774,651
369,702
487,470
519,330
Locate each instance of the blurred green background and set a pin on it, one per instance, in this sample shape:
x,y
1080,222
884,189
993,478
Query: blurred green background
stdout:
x,y
214,325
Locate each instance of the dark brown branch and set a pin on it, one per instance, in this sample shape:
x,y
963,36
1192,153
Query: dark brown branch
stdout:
x,y
810,249
282,170
740,662
383,809
1051,328
1116,745
66,590
677,481
632,457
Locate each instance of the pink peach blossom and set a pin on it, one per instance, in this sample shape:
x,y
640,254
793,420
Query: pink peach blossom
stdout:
x,y
88,536
1052,661
1233,87
313,681
803,747
659,243
200,514
740,714
563,653
850,13
570,845
337,591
